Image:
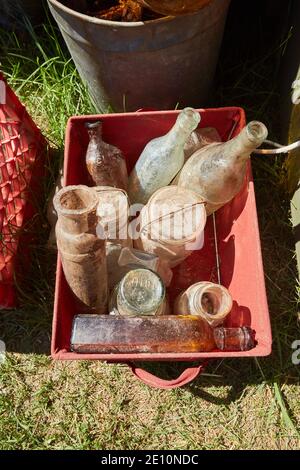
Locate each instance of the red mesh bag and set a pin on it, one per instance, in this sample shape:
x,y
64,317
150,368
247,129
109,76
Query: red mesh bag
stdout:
x,y
22,157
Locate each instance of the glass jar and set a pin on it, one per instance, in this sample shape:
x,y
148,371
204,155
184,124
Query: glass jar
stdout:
x,y
141,292
172,224
212,302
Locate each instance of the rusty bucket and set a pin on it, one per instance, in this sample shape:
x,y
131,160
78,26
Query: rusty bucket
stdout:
x,y
160,63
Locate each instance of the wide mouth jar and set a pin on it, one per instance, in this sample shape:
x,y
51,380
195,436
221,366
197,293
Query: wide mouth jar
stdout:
x,y
174,216
212,301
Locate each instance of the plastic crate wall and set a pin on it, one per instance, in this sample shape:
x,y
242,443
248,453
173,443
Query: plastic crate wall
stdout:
x,y
22,154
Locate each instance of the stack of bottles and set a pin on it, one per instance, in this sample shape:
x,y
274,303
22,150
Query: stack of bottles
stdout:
x,y
119,268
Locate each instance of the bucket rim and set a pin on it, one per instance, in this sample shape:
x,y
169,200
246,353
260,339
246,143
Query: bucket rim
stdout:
x,y
120,24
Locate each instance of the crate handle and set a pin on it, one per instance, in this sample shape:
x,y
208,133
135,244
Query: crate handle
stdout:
x,y
187,376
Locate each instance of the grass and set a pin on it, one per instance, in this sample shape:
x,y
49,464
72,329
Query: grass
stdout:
x,y
236,404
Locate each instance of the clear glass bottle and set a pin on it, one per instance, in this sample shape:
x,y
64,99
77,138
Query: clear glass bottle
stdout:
x,y
164,334
162,158
211,301
82,252
140,292
217,172
199,138
105,162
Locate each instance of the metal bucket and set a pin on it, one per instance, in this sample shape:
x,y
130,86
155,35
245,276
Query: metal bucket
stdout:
x,y
157,64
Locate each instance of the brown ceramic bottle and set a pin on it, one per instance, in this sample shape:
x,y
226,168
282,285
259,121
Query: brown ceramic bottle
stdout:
x,y
155,334
105,162
82,252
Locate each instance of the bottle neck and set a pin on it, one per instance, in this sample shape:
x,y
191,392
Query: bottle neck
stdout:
x,y
187,121
207,301
240,147
94,130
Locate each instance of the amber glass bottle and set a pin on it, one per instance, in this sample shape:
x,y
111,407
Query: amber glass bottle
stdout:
x,y
155,334
105,162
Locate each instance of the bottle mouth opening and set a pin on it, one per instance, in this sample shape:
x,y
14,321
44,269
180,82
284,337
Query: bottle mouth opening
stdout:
x,y
93,125
210,302
257,131
213,300
75,200
190,116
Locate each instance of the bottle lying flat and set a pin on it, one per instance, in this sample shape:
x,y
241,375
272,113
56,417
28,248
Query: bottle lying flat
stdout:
x,y
163,334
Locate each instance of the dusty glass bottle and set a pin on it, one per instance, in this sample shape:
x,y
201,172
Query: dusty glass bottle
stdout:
x,y
198,139
162,334
162,158
211,301
82,252
105,162
113,213
217,172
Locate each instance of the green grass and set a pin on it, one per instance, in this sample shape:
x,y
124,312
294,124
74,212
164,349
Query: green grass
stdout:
x,y
236,404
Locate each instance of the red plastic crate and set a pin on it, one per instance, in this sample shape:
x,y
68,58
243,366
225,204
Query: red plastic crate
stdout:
x,y
22,152
237,232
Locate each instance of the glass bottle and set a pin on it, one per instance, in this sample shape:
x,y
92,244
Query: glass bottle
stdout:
x,y
174,7
199,138
105,162
140,292
211,301
172,224
163,334
82,252
162,158
217,172
130,257
113,213
234,339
